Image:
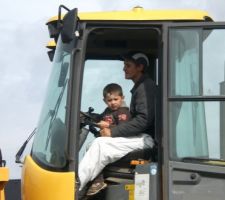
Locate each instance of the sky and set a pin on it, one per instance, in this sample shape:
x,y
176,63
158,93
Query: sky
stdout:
x,y
25,67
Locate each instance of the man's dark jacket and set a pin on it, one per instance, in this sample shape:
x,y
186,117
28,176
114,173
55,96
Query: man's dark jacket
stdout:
x,y
142,109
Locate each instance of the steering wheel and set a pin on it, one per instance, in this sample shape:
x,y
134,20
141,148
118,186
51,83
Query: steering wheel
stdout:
x,y
90,119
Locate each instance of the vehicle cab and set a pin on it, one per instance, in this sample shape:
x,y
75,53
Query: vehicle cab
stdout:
x,y
185,49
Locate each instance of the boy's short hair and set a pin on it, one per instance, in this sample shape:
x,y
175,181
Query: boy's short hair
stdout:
x,y
111,88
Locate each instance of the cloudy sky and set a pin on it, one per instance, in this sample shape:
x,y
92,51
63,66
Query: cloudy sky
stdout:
x,y
24,65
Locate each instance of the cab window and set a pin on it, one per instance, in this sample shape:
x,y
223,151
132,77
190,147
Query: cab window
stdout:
x,y
97,74
49,147
197,89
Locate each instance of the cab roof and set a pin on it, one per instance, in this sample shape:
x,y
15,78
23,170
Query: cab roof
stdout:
x,y
139,13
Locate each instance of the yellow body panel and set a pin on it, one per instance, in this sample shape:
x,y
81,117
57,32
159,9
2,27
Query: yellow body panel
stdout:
x,y
130,189
138,13
213,162
41,184
4,177
51,44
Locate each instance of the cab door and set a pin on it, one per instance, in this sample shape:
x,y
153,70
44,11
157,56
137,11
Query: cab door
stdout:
x,y
194,111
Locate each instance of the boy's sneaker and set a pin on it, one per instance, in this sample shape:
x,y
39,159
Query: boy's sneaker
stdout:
x,y
95,188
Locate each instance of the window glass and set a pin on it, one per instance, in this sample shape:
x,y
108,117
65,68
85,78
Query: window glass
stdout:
x,y
49,145
197,62
213,62
184,62
97,74
197,129
196,66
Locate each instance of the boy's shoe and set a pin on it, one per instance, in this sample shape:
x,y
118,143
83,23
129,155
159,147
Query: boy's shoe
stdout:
x,y
96,188
82,193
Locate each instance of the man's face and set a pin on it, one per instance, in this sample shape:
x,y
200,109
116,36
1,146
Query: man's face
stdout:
x,y
132,70
114,100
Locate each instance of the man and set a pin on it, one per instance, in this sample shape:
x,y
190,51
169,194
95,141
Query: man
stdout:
x,y
117,141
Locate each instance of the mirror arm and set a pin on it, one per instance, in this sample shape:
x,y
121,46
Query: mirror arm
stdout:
x,y
59,22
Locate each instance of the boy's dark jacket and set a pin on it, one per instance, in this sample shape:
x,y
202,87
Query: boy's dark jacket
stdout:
x,y
116,117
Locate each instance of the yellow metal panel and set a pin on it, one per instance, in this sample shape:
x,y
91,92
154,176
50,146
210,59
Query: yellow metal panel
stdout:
x,y
41,184
4,177
138,13
213,162
4,174
2,195
141,14
51,44
130,188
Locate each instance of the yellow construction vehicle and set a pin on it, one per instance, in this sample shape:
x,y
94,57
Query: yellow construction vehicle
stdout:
x,y
186,52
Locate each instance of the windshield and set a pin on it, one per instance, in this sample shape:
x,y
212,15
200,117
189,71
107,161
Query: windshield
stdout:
x,y
197,86
49,147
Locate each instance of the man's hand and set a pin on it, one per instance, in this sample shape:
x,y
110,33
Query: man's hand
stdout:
x,y
103,124
105,132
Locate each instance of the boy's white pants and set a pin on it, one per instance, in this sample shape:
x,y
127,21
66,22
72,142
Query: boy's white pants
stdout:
x,y
105,150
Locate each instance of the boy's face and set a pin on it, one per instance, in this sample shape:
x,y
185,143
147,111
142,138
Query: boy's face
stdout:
x,y
113,100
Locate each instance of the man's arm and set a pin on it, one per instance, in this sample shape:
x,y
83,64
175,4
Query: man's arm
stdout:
x,y
144,102
122,115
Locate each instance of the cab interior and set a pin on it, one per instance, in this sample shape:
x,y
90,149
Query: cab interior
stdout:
x,y
111,44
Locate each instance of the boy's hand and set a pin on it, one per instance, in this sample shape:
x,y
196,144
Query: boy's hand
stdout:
x,y
105,132
103,124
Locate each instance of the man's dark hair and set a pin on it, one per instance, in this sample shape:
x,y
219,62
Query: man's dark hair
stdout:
x,y
111,88
138,58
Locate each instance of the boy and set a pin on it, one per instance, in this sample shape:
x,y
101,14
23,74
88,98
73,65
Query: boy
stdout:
x,y
116,113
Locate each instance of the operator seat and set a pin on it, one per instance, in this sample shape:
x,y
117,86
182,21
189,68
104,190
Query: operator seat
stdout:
x,y
123,168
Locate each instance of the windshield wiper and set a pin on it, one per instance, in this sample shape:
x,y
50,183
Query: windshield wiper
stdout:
x,y
21,150
54,112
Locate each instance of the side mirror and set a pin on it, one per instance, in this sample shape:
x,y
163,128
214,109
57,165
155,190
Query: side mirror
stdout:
x,y
51,55
2,162
53,29
69,25
51,45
